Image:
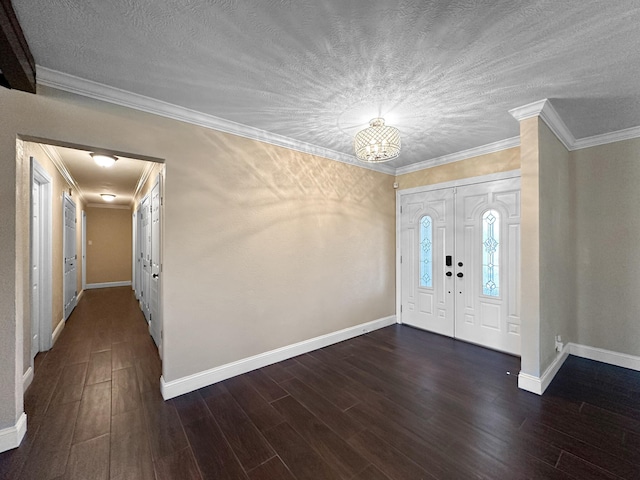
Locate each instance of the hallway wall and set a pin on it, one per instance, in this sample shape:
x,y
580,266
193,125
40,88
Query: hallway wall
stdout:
x,y
263,246
109,255
59,185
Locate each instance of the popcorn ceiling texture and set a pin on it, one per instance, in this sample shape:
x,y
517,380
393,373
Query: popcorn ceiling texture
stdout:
x,y
444,72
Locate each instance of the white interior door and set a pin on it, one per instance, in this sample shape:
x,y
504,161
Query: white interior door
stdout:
x,y
70,256
36,259
460,262
427,237
145,210
155,324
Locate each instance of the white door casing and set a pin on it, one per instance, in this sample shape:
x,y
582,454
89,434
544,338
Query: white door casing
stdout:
x,y
155,324
84,249
36,259
42,254
459,302
69,255
145,209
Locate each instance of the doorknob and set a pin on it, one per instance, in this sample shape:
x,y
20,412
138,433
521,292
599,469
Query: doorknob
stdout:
x,y
459,264
460,275
448,274
155,275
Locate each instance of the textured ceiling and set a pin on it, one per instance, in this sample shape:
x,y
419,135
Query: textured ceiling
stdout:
x,y
444,72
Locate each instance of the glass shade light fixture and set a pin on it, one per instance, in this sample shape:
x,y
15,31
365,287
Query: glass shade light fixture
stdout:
x,y
377,143
103,160
108,197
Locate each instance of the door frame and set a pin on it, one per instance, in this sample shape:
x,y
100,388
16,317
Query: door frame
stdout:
x,y
426,188
65,315
83,226
45,326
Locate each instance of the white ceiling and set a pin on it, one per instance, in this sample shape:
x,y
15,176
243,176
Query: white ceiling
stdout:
x,y
444,72
122,179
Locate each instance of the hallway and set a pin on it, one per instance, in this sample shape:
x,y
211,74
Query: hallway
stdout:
x,y
395,404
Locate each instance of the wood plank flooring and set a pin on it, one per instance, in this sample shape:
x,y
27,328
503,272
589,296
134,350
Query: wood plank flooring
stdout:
x,y
397,403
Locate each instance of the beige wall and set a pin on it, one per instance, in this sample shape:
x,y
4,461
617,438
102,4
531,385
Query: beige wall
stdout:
x,y
263,246
109,253
530,246
502,161
557,246
58,186
607,180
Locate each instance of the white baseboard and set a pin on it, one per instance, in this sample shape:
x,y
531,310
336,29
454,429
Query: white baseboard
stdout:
x,y
27,378
56,333
198,380
12,436
90,286
538,385
606,356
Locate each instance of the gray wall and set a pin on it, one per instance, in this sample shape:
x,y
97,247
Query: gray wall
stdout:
x,y
607,182
557,246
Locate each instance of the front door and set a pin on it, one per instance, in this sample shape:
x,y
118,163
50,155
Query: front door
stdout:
x,y
460,262
70,257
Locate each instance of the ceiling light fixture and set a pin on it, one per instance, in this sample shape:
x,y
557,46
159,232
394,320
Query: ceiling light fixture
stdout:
x,y
377,143
104,161
108,197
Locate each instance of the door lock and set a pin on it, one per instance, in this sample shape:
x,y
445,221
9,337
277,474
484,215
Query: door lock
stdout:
x,y
459,264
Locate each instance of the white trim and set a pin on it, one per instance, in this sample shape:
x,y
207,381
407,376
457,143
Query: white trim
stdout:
x,y
193,382
544,109
538,385
462,155
27,378
56,333
606,356
603,139
83,226
91,286
462,182
58,162
105,93
12,436
41,176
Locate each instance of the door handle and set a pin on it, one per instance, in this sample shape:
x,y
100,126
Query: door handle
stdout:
x,y
155,275
448,274
460,275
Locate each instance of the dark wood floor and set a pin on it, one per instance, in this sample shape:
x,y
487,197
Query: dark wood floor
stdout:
x,y
396,403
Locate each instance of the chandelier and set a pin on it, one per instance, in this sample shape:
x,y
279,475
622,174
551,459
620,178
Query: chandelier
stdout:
x,y
377,143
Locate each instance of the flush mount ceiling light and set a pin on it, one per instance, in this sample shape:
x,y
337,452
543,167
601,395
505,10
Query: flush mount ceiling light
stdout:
x,y
108,197
104,161
377,143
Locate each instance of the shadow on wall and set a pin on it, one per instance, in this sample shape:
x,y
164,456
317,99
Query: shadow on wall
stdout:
x,y
281,186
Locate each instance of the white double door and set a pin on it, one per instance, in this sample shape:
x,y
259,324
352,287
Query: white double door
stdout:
x,y
460,262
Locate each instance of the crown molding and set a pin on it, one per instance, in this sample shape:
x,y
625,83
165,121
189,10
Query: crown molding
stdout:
x,y
603,139
99,91
544,109
462,155
56,159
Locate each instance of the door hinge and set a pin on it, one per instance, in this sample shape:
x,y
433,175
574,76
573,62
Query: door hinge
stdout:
x,y
400,308
400,258
400,208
